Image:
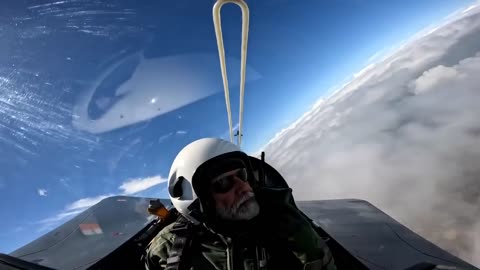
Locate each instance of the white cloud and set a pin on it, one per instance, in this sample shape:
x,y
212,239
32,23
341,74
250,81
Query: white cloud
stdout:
x,y
60,217
71,210
42,192
376,56
470,8
403,134
434,78
235,127
364,70
164,137
181,132
139,184
226,134
50,223
86,202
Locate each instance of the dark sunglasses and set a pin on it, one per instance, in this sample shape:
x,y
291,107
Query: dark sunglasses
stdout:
x,y
225,183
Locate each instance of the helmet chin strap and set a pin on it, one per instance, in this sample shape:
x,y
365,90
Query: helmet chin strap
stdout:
x,y
221,53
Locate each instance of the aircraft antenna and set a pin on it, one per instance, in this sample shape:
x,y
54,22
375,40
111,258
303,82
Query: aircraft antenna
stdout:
x,y
217,21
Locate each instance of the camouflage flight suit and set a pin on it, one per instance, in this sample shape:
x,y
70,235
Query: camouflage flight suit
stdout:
x,y
282,234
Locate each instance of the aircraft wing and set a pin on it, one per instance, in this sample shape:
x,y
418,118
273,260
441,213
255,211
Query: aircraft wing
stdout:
x,y
373,237
90,236
355,227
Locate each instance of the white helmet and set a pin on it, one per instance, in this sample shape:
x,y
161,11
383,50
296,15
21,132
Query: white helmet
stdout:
x,y
192,156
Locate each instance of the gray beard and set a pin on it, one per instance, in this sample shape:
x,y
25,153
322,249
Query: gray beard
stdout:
x,y
245,209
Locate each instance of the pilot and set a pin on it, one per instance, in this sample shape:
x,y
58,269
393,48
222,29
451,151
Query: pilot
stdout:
x,y
229,220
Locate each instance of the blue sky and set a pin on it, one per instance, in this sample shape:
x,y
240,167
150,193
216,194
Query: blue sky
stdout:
x,y
97,99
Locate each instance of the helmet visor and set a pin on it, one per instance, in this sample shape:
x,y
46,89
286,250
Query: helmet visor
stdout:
x,y
224,182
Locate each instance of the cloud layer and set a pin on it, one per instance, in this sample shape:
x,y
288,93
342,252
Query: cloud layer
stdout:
x,y
404,134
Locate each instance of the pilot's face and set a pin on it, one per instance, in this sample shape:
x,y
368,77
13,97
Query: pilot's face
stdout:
x,y
233,195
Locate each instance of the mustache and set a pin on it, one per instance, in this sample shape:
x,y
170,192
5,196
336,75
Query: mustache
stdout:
x,y
248,195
